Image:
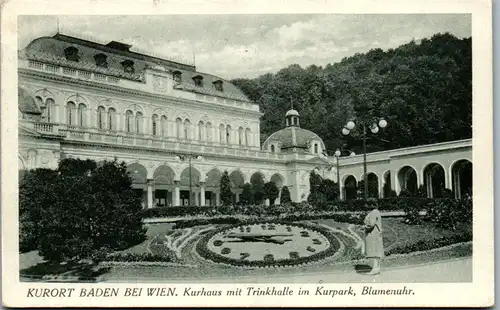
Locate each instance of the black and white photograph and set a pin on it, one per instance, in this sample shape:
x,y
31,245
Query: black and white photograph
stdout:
x,y
319,156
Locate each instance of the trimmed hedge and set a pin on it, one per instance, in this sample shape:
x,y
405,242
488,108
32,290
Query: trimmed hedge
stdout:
x,y
426,245
358,205
235,220
203,251
135,257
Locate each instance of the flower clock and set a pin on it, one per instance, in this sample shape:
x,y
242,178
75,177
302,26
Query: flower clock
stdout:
x,y
268,244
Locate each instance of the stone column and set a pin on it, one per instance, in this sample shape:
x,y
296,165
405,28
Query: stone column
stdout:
x,y
267,202
395,182
217,199
420,177
196,199
150,193
380,187
237,197
202,194
177,194
447,180
341,193
428,177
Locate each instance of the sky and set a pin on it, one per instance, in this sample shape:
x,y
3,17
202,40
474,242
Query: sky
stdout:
x,y
246,46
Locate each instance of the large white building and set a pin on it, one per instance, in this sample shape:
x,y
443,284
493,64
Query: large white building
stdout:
x,y
84,99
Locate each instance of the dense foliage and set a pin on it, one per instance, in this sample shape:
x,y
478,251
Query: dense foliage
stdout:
x,y
423,89
79,210
413,205
426,245
271,192
226,196
285,195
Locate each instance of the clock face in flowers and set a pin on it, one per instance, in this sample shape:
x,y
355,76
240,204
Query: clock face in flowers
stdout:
x,y
267,242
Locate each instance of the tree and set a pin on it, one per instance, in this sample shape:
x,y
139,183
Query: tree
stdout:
x,y
285,195
82,212
226,195
316,195
36,191
423,89
330,190
372,188
271,192
246,196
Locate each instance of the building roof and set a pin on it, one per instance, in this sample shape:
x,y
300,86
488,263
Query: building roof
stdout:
x,y
292,112
26,103
293,137
52,50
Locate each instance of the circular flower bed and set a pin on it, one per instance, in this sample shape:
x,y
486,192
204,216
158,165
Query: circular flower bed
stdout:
x,y
268,244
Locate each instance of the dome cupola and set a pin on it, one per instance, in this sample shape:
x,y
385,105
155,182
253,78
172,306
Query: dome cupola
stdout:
x,y
292,118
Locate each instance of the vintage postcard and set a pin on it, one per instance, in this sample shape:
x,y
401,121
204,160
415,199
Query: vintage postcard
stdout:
x,y
247,153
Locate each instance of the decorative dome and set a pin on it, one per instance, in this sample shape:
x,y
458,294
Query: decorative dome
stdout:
x,y
293,137
292,112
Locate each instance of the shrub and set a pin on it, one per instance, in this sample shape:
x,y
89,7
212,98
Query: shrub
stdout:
x,y
425,245
225,251
285,195
218,242
304,233
248,229
405,193
135,257
294,255
268,258
311,249
81,208
316,241
226,196
450,213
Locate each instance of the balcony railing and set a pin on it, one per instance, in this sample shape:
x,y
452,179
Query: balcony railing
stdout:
x,y
73,133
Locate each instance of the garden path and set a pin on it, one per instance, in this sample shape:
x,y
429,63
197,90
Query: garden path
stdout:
x,y
454,270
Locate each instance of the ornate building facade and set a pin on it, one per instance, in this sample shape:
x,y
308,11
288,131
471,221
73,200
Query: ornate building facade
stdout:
x,y
176,128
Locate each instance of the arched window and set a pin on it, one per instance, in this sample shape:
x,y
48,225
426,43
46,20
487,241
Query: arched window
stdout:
x,y
316,148
178,129
187,129
164,125
154,124
49,110
222,134
111,119
70,116
273,149
247,137
201,129
138,122
81,114
208,131
101,117
129,121
228,134
240,136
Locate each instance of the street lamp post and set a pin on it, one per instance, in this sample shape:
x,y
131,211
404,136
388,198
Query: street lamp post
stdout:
x,y
373,124
189,156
